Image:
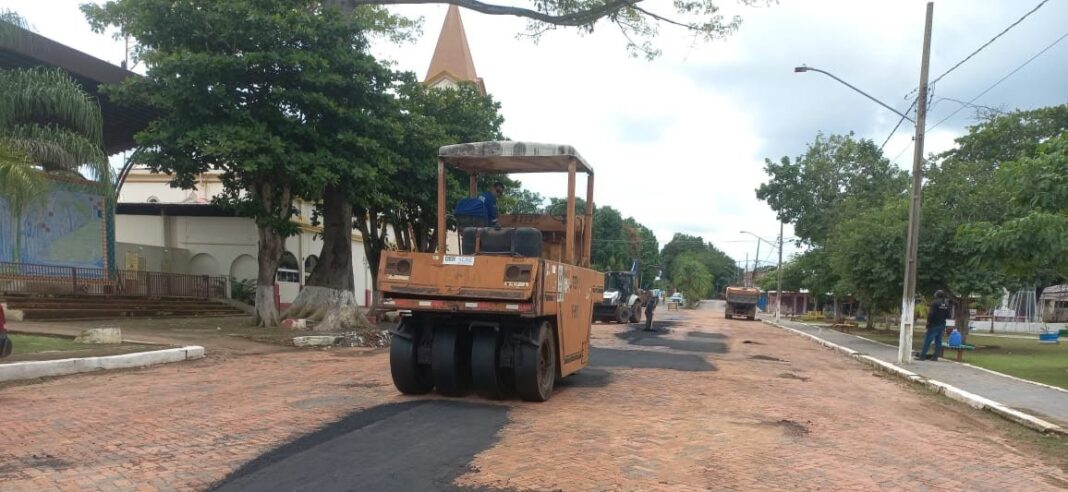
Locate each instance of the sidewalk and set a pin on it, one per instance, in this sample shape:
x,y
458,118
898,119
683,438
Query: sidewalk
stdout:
x,y
1043,402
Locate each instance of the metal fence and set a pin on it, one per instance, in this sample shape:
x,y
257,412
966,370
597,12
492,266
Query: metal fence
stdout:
x,y
52,279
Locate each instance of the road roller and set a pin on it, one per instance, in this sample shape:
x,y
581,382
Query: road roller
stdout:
x,y
502,308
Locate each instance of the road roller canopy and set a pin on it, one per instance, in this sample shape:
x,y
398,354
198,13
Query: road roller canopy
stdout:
x,y
507,157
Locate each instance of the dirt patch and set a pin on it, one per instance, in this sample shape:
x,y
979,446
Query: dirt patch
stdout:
x,y
791,428
750,342
767,358
790,375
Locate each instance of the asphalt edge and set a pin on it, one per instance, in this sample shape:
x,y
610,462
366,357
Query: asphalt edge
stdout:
x,y
975,401
17,371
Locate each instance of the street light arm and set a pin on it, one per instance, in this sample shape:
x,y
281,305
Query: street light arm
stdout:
x,y
851,86
769,243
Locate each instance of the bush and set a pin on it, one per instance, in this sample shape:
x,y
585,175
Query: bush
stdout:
x,y
243,290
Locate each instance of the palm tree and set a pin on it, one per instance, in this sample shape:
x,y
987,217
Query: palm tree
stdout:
x,y
48,125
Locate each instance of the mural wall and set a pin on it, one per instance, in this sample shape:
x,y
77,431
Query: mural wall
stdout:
x,y
66,227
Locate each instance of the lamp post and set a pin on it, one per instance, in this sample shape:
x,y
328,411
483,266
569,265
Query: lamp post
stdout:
x,y
908,298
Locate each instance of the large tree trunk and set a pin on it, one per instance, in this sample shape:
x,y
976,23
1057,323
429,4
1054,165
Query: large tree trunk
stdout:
x,y
329,299
963,317
269,255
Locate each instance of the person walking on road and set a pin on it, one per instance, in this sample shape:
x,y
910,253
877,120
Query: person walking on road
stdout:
x,y
650,306
936,325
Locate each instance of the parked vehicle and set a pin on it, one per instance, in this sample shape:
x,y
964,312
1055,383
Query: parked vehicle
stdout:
x,y
622,301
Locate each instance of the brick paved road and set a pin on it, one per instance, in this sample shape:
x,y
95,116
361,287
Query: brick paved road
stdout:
x,y
712,404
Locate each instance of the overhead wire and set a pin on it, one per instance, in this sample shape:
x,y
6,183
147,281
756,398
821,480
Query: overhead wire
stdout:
x,y
984,45
1002,79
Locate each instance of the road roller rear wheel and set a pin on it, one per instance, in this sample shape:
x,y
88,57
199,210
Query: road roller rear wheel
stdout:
x,y
486,375
451,360
409,376
535,370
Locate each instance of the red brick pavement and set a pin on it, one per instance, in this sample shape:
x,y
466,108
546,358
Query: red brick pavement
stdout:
x,y
815,420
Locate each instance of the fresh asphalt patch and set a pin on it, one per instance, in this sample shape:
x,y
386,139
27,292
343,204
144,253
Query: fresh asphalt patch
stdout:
x,y
687,344
646,359
590,377
414,445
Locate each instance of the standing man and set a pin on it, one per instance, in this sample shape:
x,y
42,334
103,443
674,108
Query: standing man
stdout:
x,y
936,324
650,306
5,342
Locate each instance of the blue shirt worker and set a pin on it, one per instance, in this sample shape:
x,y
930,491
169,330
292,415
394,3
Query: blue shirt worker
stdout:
x,y
936,324
489,198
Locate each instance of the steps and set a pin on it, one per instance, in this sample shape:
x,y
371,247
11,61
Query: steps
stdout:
x,y
41,308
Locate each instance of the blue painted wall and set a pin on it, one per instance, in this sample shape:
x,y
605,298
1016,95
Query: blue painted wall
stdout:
x,y
69,226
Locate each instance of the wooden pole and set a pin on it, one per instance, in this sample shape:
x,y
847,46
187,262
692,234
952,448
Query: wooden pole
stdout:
x,y
472,185
569,237
587,233
908,298
442,232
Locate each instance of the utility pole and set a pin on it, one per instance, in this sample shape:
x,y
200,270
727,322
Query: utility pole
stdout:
x,y
908,298
778,291
756,265
745,271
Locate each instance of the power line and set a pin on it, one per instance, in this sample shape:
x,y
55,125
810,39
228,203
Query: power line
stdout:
x,y
898,125
995,84
988,43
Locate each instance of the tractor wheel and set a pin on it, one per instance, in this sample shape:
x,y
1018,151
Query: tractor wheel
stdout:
x,y
623,315
486,375
636,312
450,359
535,369
409,376
727,315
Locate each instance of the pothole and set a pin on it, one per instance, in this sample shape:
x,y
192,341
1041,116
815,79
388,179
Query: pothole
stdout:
x,y
792,428
790,375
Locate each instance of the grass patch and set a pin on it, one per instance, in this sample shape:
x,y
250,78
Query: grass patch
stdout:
x,y
32,344
28,347
1021,357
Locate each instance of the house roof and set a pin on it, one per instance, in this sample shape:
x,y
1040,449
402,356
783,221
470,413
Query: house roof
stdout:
x,y
452,56
27,49
513,157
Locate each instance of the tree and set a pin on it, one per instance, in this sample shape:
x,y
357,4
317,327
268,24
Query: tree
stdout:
x,y
691,277
638,25
247,88
972,184
836,176
723,268
521,201
867,253
648,253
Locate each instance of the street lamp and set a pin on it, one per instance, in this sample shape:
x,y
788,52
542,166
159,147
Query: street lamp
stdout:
x,y
803,69
908,297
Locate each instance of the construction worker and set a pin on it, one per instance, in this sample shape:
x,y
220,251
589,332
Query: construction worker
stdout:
x,y
936,325
490,199
650,306
480,211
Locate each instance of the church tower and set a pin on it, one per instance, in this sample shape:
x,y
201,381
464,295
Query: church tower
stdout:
x,y
452,62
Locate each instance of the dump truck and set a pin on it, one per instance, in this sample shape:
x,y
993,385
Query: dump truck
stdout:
x,y
623,300
742,301
509,311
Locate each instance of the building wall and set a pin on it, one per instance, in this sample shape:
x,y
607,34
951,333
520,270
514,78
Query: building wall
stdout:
x,y
221,246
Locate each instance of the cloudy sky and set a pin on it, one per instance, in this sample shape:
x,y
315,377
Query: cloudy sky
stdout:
x,y
679,142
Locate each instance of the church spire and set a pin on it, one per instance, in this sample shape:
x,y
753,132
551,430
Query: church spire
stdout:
x,y
452,62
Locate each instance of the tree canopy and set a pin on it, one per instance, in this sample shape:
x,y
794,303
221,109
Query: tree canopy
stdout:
x,y
721,267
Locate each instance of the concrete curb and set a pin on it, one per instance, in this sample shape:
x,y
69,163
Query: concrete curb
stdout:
x,y
16,371
950,391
